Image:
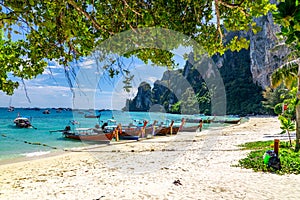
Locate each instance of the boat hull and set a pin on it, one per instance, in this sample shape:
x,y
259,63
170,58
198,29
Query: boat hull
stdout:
x,y
22,122
189,129
23,126
163,131
207,121
228,121
128,137
106,138
131,132
91,116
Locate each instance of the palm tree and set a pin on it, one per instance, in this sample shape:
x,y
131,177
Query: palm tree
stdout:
x,y
288,16
287,126
289,74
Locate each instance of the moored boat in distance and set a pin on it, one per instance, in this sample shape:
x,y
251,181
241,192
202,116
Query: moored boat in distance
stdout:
x,y
46,111
91,116
197,117
22,122
10,109
227,119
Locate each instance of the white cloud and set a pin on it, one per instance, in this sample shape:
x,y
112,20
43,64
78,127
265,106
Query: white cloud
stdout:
x,y
51,89
87,63
54,65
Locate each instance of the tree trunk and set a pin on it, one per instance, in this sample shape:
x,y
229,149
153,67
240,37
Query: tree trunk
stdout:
x,y
297,147
290,138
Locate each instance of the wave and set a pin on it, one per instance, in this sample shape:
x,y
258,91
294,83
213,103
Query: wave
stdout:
x,y
38,153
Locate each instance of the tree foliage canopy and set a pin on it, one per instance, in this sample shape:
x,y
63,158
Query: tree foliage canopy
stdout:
x,y
288,16
65,30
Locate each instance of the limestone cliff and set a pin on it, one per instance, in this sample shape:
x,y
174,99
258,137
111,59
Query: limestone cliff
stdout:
x,y
264,57
244,73
143,99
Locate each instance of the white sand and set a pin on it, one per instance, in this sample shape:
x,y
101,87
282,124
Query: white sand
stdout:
x,y
147,170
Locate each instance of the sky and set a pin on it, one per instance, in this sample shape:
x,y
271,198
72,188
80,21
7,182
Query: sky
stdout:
x,y
94,90
51,89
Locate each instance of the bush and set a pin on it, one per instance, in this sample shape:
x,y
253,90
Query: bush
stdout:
x,y
290,160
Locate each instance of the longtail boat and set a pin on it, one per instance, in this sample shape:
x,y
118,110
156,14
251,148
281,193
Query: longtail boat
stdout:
x,y
91,116
87,134
165,130
197,118
125,132
22,122
228,120
150,130
193,128
131,132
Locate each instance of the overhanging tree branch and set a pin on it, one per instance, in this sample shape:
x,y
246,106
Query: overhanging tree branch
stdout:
x,y
231,5
126,4
234,6
218,20
94,22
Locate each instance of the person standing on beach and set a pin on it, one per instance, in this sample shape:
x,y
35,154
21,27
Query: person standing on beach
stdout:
x,y
200,124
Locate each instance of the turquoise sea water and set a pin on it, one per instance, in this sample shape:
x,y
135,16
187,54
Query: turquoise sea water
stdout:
x,y
17,142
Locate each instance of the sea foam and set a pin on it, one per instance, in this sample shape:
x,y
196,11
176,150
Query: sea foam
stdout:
x,y
38,153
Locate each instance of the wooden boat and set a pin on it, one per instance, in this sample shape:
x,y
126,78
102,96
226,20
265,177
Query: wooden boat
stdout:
x,y
128,137
232,121
132,132
193,128
91,116
165,130
150,130
22,122
46,112
228,120
10,109
126,132
88,134
205,119
109,126
138,124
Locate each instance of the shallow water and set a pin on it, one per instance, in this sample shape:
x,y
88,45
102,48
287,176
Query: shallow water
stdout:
x,y
19,142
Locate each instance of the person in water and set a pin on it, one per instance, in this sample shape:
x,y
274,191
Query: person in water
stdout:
x,y
67,129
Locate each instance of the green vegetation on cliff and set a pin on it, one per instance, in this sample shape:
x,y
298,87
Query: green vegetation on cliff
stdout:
x,y
242,95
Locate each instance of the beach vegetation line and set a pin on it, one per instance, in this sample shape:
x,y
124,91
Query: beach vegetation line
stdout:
x,y
289,159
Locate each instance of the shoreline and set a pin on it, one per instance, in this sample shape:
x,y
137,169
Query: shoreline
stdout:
x,y
58,152
181,167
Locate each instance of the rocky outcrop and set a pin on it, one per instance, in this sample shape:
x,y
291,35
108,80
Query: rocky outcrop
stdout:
x,y
162,93
265,53
143,99
244,74
175,86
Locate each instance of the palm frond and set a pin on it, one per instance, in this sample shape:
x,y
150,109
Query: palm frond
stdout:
x,y
286,73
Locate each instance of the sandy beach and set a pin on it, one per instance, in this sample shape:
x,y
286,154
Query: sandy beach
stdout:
x,y
186,166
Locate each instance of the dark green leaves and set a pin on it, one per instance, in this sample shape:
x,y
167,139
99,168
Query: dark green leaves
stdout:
x,y
66,30
288,16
